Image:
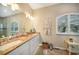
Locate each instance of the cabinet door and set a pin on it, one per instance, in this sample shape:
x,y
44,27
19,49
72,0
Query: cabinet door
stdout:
x,y
27,48
22,50
34,43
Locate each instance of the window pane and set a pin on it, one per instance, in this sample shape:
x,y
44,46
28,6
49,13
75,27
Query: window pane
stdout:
x,y
74,23
63,24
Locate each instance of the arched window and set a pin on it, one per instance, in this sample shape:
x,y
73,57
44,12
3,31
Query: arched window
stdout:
x,y
68,24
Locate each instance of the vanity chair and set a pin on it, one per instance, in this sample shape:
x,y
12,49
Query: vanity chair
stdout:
x,y
72,46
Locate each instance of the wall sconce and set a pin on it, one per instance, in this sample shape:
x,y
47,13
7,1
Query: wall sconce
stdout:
x,y
28,15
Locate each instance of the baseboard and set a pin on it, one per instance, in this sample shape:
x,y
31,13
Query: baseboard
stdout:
x,y
60,48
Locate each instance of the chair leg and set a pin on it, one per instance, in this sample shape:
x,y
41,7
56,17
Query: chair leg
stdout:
x,y
69,53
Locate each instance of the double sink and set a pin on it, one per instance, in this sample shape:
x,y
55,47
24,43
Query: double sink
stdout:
x,y
13,42
9,39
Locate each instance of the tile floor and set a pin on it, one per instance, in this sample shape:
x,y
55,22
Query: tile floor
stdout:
x,y
57,52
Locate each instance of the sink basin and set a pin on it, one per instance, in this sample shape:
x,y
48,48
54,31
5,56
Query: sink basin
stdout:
x,y
6,46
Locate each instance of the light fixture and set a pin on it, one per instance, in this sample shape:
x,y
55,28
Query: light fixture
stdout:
x,y
28,15
14,6
4,4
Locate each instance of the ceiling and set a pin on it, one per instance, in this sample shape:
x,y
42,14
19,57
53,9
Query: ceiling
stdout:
x,y
7,10
40,5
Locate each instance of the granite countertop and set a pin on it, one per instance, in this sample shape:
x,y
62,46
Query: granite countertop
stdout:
x,y
4,49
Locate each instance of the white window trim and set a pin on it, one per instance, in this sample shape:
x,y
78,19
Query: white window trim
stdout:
x,y
66,33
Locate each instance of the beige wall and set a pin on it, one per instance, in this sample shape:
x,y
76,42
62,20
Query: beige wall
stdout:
x,y
50,13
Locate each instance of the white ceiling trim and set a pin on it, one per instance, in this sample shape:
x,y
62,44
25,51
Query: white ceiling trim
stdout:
x,y
40,5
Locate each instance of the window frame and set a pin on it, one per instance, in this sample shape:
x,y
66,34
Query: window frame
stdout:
x,y
68,17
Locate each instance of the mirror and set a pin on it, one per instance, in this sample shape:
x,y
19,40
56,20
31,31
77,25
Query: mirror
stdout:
x,y
14,28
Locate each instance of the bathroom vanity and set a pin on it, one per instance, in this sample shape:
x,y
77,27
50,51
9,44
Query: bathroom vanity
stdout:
x,y
24,45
